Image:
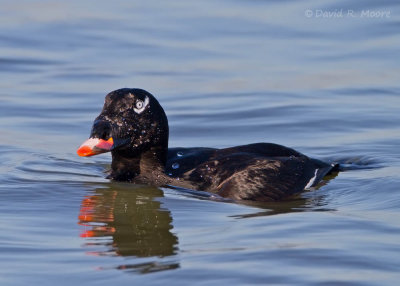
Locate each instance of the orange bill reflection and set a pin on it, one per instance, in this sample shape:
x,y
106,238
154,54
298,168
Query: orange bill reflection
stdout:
x,y
128,220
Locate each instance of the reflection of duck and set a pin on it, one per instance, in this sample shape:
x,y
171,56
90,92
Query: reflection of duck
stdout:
x,y
133,220
134,127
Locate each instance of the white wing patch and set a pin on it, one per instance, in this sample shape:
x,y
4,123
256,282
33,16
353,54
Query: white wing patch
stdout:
x,y
141,109
312,180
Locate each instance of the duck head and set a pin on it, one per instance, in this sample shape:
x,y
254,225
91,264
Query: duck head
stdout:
x,y
134,128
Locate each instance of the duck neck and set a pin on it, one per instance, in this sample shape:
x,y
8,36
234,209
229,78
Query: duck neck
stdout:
x,y
148,167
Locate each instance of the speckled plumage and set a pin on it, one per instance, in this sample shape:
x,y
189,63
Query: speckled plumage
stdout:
x,y
259,172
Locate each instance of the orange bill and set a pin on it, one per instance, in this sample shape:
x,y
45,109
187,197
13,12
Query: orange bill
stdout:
x,y
94,146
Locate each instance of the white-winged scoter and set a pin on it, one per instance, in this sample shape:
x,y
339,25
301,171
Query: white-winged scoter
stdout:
x,y
134,128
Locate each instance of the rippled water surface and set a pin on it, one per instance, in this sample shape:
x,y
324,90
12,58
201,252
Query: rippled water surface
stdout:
x,y
306,74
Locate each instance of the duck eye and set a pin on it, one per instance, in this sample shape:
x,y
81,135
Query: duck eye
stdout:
x,y
139,104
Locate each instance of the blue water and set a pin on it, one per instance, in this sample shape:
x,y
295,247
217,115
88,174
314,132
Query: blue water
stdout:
x,y
309,75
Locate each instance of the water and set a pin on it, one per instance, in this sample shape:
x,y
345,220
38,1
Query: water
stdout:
x,y
227,73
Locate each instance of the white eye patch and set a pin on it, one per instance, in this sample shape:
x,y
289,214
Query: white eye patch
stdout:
x,y
141,105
